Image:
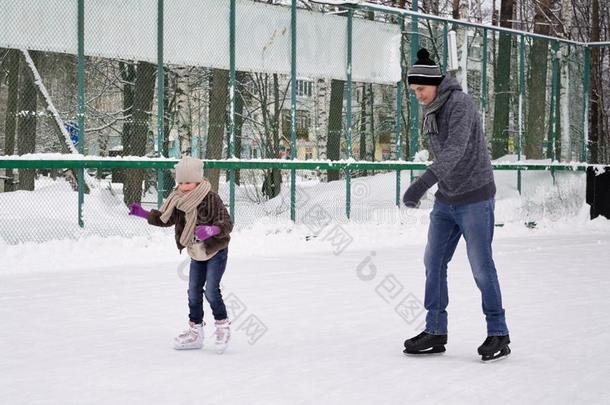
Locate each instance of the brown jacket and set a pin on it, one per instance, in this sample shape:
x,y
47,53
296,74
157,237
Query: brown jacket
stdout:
x,y
211,211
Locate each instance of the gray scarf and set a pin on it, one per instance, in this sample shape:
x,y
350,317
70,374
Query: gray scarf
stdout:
x,y
430,125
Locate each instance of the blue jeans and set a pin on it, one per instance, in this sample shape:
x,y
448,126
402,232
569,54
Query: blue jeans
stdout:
x,y
207,273
447,224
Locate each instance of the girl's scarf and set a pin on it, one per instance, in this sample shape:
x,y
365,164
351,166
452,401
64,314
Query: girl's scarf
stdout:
x,y
186,202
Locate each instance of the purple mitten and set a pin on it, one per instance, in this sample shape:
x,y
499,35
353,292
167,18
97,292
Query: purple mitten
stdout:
x,y
137,210
203,232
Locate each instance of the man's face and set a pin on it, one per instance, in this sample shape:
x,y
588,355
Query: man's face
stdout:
x,y
425,94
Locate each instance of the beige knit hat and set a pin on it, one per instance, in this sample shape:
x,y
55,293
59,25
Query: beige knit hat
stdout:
x,y
189,170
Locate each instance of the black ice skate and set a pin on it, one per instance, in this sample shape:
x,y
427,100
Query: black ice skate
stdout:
x,y
494,348
425,343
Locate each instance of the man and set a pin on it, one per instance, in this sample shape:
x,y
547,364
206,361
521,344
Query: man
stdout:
x,y
464,206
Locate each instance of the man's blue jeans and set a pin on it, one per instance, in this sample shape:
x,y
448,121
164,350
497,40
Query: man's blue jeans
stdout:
x,y
207,273
447,224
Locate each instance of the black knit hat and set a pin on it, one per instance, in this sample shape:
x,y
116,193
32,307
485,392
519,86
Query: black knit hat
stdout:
x,y
424,70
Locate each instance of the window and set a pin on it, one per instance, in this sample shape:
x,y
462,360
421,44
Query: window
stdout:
x,y
302,123
304,88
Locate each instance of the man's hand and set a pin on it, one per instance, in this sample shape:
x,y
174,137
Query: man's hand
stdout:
x,y
418,188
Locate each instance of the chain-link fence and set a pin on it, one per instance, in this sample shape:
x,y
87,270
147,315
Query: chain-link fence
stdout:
x,y
239,80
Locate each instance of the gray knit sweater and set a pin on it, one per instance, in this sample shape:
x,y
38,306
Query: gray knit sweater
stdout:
x,y
461,163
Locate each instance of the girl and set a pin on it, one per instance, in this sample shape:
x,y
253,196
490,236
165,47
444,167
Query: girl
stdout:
x,y
202,226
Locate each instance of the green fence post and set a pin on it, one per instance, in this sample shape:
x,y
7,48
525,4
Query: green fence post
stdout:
x,y
399,113
483,99
521,100
160,100
293,105
398,137
445,47
81,105
584,154
231,107
348,133
554,98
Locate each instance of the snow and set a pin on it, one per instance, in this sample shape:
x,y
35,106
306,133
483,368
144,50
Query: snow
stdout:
x,y
79,157
90,319
507,162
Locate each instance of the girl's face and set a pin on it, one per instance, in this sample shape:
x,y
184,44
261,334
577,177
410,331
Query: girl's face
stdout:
x,y
186,187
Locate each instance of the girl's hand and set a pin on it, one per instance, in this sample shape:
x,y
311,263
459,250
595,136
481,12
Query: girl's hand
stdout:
x,y
203,232
137,210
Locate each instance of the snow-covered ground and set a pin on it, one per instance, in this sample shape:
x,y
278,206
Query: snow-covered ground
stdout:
x,y
319,309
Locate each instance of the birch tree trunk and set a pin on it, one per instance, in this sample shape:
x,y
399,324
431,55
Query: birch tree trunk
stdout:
x,y
184,117
321,118
26,132
363,123
370,140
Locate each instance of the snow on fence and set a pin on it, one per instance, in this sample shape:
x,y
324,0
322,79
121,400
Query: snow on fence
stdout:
x,y
358,198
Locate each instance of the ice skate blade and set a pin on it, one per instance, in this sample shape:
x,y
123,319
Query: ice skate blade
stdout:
x,y
187,347
503,354
433,350
221,348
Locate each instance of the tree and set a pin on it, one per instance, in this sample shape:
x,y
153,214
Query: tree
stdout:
x,y
240,78
273,178
320,119
596,88
26,133
363,123
536,84
263,105
219,94
335,125
455,9
502,84
184,116
12,65
169,100
591,23
137,130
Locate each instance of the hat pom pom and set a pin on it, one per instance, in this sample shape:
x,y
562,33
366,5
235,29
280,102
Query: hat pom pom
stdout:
x,y
423,54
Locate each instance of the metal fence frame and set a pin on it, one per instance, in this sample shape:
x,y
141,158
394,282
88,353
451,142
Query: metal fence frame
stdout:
x,y
414,124
80,164
232,165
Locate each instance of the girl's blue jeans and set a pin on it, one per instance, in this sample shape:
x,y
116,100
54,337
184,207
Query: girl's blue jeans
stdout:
x,y
208,273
